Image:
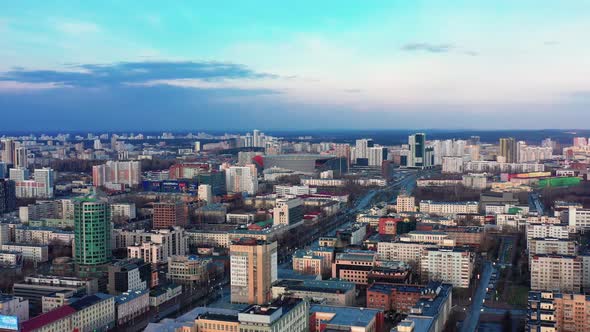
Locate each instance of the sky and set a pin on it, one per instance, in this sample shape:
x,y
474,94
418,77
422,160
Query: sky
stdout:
x,y
183,65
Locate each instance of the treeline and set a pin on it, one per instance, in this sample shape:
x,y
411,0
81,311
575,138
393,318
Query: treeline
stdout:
x,y
74,165
448,193
156,164
579,194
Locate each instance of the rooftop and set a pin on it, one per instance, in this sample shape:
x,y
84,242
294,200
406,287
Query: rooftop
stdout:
x,y
347,316
323,286
129,296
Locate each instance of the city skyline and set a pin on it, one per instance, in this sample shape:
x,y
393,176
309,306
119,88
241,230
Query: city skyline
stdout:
x,y
111,66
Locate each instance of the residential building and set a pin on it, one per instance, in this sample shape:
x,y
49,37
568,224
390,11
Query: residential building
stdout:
x,y
127,173
149,252
508,150
409,252
242,179
123,211
556,272
553,311
172,240
205,193
168,214
405,203
253,270
29,252
449,265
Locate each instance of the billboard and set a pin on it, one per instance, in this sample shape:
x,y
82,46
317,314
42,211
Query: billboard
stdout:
x,y
9,322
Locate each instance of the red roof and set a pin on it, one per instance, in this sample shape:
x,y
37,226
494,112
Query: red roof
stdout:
x,y
47,318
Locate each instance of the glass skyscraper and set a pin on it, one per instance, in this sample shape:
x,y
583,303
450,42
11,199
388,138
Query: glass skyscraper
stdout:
x,y
92,227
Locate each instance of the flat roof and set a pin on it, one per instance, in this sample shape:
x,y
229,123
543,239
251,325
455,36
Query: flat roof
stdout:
x,y
347,316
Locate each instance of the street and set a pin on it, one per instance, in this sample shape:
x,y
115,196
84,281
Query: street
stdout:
x,y
472,318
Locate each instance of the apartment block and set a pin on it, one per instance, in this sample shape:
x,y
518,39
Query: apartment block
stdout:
x,y
556,272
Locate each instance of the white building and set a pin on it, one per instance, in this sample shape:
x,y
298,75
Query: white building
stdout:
x,y
172,240
39,187
10,258
204,193
37,253
14,306
579,218
453,266
242,179
294,190
448,208
556,272
126,211
117,172
148,251
407,252
452,164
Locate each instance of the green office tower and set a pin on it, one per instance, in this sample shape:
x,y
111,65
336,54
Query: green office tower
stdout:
x,y
92,227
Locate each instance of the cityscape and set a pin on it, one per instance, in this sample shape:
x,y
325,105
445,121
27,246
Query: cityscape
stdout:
x,y
255,232
307,166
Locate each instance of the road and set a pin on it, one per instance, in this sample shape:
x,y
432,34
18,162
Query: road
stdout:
x,y
472,318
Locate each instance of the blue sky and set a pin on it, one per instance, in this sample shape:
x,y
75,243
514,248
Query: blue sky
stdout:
x,y
122,65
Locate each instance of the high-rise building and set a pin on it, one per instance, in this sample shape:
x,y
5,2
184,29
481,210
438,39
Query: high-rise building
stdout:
x,y
342,151
377,155
418,155
205,193
253,270
8,151
550,311
7,196
556,272
3,170
41,186
168,214
508,150
242,179
117,172
21,157
92,228
44,178
288,211
215,179
361,151
18,174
